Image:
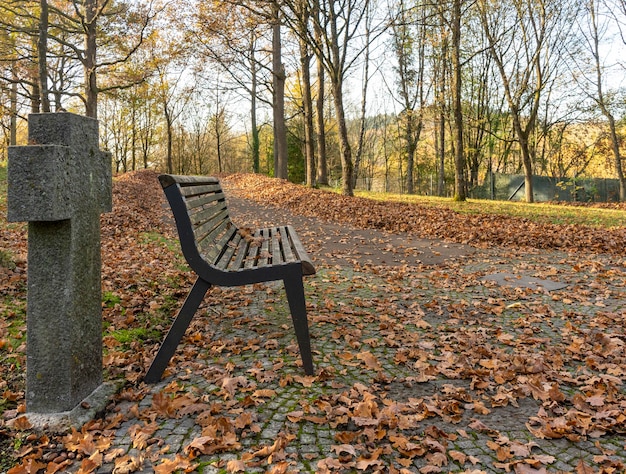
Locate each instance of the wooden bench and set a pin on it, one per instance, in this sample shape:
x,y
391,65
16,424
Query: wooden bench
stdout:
x,y
224,255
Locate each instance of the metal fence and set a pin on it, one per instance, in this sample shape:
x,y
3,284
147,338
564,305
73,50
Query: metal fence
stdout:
x,y
511,187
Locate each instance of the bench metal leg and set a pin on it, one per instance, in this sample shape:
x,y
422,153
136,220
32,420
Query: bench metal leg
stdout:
x,y
295,295
177,331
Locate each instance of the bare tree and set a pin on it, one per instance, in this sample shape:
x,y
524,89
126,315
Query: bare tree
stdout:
x,y
232,35
594,29
278,89
525,39
307,99
322,167
460,190
88,14
339,25
42,50
409,38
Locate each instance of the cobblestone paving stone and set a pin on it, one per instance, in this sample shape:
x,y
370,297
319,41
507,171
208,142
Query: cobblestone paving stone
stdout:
x,y
362,320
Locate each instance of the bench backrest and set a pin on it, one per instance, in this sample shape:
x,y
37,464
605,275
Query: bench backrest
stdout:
x,y
205,207
214,247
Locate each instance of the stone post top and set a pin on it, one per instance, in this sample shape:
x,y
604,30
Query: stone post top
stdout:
x,y
61,170
62,128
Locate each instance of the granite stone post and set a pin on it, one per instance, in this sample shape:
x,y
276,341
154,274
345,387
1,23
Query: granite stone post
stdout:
x,y
60,184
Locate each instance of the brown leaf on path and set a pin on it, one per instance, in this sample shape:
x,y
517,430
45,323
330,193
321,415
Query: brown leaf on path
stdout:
x,y
140,434
583,468
211,444
278,447
90,464
522,468
295,416
306,381
280,467
458,456
343,448
29,466
264,393
22,423
479,426
128,464
230,384
162,404
596,400
555,393
179,463
430,469
53,468
236,465
325,465
370,360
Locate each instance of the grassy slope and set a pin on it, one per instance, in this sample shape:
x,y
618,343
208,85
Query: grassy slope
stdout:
x,y
603,215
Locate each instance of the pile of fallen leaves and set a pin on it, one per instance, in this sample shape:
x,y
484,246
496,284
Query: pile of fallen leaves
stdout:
x,y
491,344
427,222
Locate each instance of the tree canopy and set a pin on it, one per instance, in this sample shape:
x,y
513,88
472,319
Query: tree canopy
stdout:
x,y
412,96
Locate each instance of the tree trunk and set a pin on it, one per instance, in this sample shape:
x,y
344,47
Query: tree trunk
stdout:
x,y
522,136
359,150
33,71
133,136
42,51
602,103
411,145
322,168
218,139
457,112
170,138
307,100
89,65
441,153
344,143
13,118
278,74
255,145
617,156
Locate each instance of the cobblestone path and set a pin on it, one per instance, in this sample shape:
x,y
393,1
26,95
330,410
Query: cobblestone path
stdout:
x,y
421,367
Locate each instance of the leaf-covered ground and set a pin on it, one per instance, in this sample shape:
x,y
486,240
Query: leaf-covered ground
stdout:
x,y
420,368
428,222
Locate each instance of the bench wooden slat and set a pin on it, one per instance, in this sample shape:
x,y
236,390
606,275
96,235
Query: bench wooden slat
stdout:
x,y
231,247
206,227
203,207
194,190
212,246
295,242
253,250
277,254
242,252
264,256
167,180
204,200
288,246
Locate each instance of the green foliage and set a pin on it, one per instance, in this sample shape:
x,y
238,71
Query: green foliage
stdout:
x,y
137,334
3,186
6,260
155,237
295,164
110,299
